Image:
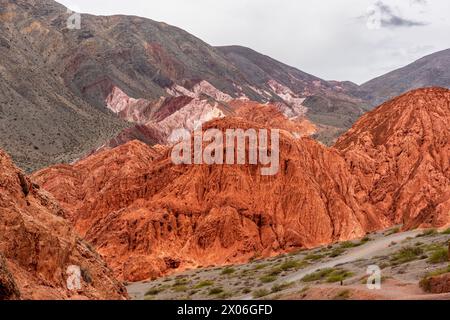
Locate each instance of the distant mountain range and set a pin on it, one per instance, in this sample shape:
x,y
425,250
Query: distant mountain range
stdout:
x,y
430,71
60,87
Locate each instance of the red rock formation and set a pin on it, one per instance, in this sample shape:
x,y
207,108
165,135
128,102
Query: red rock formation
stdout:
x,y
270,116
130,109
148,134
400,153
183,112
146,215
37,245
438,284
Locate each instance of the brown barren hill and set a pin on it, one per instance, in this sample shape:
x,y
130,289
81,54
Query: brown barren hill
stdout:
x,y
37,246
148,217
400,153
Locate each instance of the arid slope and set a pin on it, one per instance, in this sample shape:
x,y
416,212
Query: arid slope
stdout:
x,y
37,245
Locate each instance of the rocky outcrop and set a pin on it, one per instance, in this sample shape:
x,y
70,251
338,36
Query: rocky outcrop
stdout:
x,y
8,286
128,108
146,215
437,285
184,112
400,155
37,245
272,117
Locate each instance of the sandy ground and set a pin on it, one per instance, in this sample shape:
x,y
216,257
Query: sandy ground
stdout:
x,y
390,290
283,277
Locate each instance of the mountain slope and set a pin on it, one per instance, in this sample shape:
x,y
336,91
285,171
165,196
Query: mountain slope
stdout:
x,y
149,217
328,103
430,71
37,245
57,83
41,120
146,60
400,153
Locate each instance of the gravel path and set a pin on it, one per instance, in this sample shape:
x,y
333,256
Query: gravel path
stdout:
x,y
367,251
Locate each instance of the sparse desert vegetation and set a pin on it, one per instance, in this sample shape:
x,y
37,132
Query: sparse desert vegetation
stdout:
x,y
439,255
402,260
329,275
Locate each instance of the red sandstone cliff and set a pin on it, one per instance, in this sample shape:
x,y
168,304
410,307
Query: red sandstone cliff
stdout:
x,y
400,154
147,216
37,245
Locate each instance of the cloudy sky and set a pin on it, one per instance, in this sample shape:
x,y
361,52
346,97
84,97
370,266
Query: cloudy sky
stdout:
x,y
333,39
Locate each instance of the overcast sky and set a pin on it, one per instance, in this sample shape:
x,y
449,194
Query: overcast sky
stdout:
x,y
354,40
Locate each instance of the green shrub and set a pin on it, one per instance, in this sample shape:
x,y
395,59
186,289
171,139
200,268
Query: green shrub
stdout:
x,y
393,231
180,288
280,287
329,275
425,282
181,282
338,275
268,279
407,254
431,247
215,291
317,275
292,264
446,231
439,255
427,233
225,295
228,271
153,291
365,240
261,266
203,284
348,245
260,293
336,252
384,265
275,271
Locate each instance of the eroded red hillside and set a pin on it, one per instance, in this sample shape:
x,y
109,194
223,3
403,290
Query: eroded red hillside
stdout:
x,y
37,246
148,217
400,154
